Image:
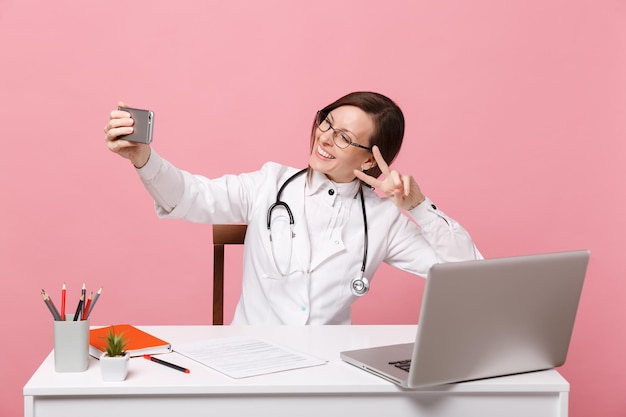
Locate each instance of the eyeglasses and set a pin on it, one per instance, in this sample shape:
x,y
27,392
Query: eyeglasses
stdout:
x,y
341,139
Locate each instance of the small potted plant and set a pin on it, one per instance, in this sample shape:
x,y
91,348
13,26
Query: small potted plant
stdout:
x,y
114,361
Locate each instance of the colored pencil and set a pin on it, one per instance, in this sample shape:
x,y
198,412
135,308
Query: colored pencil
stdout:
x,y
83,293
63,296
79,308
87,305
50,304
93,303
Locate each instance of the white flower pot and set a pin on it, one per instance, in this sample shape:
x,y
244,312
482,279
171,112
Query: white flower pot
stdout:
x,y
114,368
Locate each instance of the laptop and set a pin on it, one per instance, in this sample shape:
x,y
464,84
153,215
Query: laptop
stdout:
x,y
486,318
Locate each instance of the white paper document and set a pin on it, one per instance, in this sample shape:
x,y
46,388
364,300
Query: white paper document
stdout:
x,y
241,357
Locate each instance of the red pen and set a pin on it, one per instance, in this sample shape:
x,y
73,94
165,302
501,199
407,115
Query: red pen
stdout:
x,y
162,362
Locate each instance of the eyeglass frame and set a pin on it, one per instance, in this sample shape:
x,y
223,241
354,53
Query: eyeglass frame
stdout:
x,y
318,122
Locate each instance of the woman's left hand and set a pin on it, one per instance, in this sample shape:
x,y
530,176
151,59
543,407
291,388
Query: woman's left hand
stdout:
x,y
400,188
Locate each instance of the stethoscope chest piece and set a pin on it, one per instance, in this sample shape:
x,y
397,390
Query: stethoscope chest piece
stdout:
x,y
359,286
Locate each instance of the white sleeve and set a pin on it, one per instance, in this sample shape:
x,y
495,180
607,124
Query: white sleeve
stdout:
x,y
163,181
178,194
446,236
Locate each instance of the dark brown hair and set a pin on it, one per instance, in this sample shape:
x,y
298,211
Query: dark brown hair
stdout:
x,y
388,123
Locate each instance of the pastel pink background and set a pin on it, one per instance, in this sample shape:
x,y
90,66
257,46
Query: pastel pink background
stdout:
x,y
515,127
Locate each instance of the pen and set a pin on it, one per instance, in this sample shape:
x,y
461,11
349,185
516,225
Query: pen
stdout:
x,y
79,307
162,362
63,294
93,303
50,304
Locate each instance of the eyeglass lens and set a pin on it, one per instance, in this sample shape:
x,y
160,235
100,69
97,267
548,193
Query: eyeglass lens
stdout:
x,y
339,137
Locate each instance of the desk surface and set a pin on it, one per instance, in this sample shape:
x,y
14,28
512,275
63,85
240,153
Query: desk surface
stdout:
x,y
336,378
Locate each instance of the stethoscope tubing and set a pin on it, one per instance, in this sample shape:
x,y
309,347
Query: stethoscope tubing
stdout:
x,y
280,203
360,285
366,237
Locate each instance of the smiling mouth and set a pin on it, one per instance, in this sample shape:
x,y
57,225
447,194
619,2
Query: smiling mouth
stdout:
x,y
323,153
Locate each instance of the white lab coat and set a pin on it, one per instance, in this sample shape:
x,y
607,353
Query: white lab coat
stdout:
x,y
306,280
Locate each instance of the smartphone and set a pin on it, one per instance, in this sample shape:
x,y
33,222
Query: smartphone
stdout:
x,y
144,122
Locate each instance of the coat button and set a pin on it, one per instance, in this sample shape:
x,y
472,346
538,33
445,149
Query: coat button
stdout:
x,y
433,206
331,192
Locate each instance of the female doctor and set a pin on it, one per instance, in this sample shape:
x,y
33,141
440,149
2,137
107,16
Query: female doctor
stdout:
x,y
317,235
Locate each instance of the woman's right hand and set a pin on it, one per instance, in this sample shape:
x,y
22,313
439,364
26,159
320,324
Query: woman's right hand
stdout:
x,y
121,123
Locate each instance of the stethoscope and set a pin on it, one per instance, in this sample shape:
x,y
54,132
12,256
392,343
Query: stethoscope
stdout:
x,y
359,285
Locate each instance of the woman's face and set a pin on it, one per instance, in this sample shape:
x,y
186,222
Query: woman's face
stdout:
x,y
337,163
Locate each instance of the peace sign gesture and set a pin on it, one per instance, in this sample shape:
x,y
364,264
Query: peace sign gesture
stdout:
x,y
400,188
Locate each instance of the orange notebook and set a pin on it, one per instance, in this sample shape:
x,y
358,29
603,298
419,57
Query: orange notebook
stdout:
x,y
139,342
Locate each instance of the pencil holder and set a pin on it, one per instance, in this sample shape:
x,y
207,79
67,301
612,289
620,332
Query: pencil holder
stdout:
x,y
71,345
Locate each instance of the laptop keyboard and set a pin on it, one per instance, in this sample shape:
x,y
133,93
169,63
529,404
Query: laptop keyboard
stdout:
x,y
405,365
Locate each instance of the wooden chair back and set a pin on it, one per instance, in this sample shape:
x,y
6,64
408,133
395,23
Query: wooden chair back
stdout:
x,y
223,234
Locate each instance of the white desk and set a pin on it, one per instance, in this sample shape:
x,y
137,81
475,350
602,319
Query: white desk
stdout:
x,y
334,389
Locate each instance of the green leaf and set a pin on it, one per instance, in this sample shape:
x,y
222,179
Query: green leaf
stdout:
x,y
115,343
